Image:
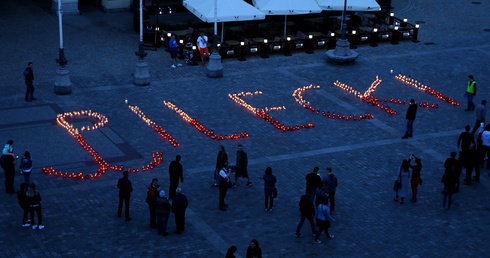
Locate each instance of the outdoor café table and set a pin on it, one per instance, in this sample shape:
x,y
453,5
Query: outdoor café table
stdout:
x,y
180,32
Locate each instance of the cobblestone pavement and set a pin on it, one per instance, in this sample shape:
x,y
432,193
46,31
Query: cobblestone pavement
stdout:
x,y
80,215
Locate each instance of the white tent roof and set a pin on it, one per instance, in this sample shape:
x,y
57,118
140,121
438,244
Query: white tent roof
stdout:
x,y
352,5
228,10
287,7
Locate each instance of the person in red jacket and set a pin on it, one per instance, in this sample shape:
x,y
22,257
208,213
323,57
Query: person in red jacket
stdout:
x,y
153,192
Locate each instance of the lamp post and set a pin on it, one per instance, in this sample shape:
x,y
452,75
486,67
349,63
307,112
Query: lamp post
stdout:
x,y
141,75
215,68
62,84
342,52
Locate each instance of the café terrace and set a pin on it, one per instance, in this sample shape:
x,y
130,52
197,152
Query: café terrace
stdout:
x,y
273,27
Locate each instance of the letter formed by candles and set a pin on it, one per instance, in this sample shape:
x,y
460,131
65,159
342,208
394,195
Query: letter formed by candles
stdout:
x,y
264,112
61,119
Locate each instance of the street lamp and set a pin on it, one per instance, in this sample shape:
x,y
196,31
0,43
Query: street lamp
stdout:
x,y
62,84
215,68
342,52
141,76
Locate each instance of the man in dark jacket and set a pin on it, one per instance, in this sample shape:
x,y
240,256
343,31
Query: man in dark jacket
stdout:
x,y
329,186
162,211
241,166
153,190
29,78
410,116
313,181
176,173
307,210
125,189
179,205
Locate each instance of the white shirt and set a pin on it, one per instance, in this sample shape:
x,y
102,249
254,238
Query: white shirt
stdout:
x,y
202,41
485,137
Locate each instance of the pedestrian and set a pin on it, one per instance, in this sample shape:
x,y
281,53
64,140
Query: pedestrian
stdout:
x,y
221,160
313,181
416,180
471,163
449,182
33,199
172,48
403,176
152,193
485,138
231,252
176,173
410,116
125,188
224,184
307,210
481,112
29,80
188,51
26,166
330,183
254,250
202,45
270,190
466,138
162,211
8,165
323,219
451,167
470,93
22,199
179,205
241,166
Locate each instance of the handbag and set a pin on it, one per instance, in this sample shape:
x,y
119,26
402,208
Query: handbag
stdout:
x,y
274,193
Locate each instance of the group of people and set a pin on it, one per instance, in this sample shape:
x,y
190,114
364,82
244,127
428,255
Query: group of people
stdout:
x,y
202,46
253,250
8,161
408,176
160,207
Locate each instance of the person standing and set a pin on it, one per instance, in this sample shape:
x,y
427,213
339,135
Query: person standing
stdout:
x,y
410,116
269,188
470,93
221,160
202,45
254,250
172,48
153,191
471,163
230,253
466,138
330,185
307,210
403,176
224,184
8,165
481,113
22,199
176,173
485,138
26,166
323,219
241,166
162,211
313,181
449,182
179,205
416,180
33,199
29,80
125,189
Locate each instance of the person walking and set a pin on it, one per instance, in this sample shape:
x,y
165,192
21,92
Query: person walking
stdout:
x,y
466,138
403,176
172,48
125,188
410,116
481,113
22,199
313,181
323,219
179,205
307,210
33,199
221,160
269,188
202,45
254,250
330,183
471,163
26,166
416,180
152,193
485,138
29,80
224,184
8,165
241,166
162,212
470,93
449,181
176,173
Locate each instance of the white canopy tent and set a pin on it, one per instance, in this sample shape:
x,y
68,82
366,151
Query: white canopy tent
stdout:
x,y
228,11
352,5
287,7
